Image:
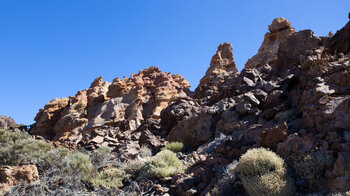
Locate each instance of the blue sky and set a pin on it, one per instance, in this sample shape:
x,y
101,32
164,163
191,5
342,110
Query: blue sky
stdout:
x,y
54,48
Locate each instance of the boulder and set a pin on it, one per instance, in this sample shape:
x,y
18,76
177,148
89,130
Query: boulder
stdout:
x,y
270,137
193,131
12,175
296,46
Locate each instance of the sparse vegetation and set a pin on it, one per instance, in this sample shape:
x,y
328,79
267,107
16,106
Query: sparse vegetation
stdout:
x,y
71,168
174,146
263,173
101,156
163,164
108,179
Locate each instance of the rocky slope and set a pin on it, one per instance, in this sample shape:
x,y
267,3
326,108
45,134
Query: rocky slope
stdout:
x,y
292,97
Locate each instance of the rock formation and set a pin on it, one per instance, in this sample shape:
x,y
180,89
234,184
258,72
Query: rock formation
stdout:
x,y
99,114
222,66
280,31
292,97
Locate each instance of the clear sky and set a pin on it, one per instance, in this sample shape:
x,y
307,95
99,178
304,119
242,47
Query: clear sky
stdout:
x,y
53,48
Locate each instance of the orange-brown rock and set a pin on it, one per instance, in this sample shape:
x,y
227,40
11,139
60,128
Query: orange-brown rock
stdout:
x,y
272,136
280,31
222,66
46,118
12,175
125,102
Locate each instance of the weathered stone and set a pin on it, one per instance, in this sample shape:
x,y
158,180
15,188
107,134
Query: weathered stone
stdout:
x,y
222,65
193,131
340,42
12,175
338,179
272,136
280,31
289,52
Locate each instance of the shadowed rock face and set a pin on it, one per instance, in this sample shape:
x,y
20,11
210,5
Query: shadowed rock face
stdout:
x,y
292,97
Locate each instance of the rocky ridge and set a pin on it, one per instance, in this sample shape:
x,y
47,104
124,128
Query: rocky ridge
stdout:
x,y
292,97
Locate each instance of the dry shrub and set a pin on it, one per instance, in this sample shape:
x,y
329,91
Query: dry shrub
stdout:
x,y
108,179
263,173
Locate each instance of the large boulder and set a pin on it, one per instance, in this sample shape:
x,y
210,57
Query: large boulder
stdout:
x,y
297,45
194,130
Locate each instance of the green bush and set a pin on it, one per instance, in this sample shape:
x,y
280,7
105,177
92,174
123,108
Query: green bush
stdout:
x,y
174,146
289,114
163,164
101,156
78,163
263,173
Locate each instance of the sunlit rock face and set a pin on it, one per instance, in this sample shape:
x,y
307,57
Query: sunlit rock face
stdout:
x,y
293,97
222,66
124,102
279,31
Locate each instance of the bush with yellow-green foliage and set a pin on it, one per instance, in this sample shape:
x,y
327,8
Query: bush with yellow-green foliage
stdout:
x,y
263,173
163,164
174,146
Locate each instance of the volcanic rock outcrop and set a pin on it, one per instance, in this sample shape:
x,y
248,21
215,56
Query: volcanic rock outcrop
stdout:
x,y
125,104
222,66
280,31
292,97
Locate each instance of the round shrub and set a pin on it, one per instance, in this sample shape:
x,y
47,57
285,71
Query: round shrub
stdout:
x,y
263,173
163,164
